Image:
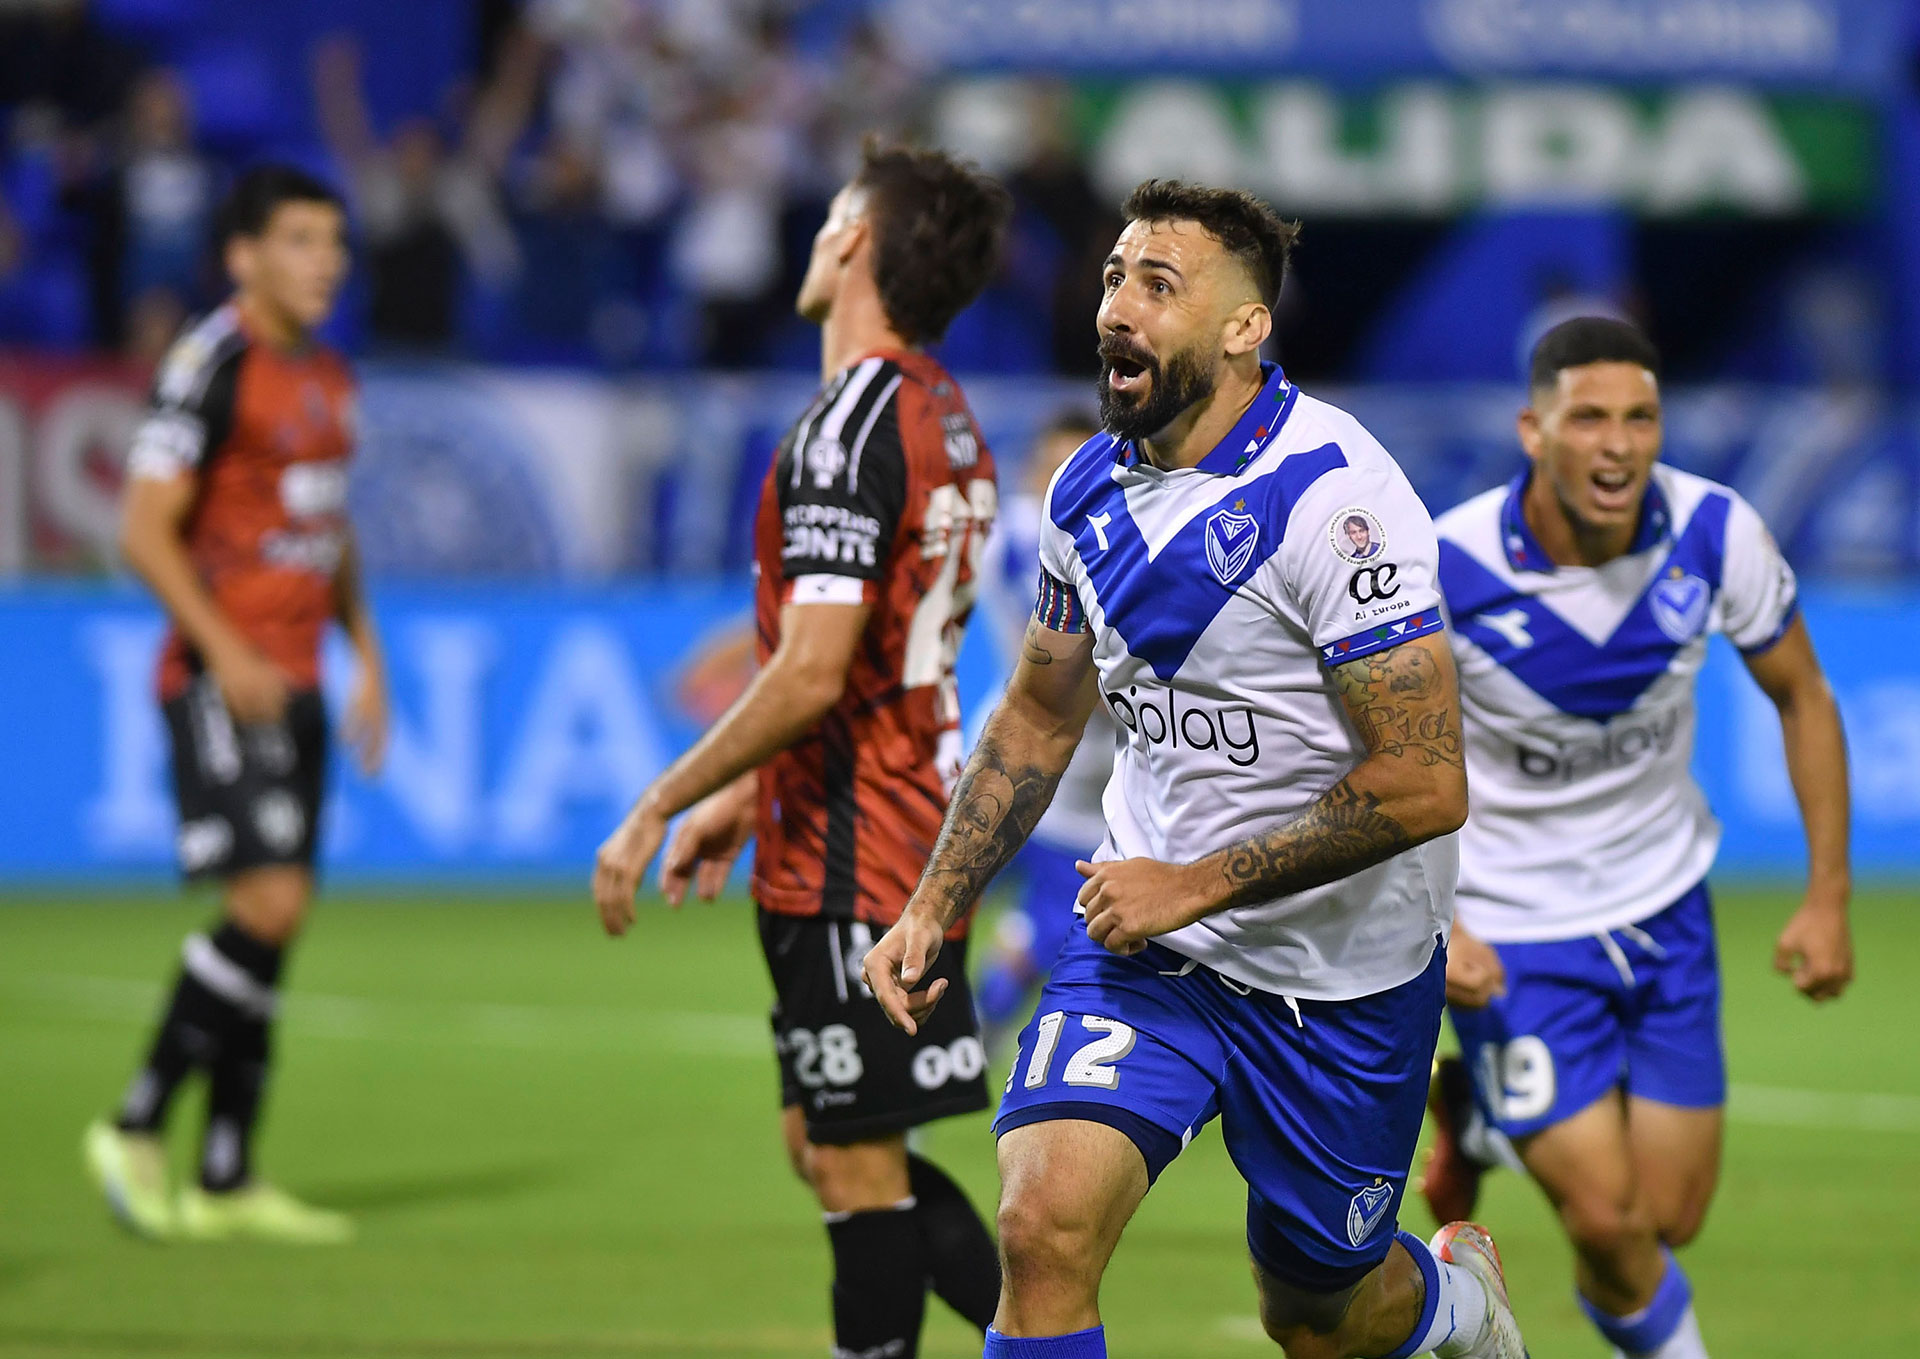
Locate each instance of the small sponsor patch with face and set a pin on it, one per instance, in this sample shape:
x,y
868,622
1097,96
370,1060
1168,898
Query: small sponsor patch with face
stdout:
x,y
1355,536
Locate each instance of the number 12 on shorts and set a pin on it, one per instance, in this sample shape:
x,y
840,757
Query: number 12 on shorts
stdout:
x,y
1091,1064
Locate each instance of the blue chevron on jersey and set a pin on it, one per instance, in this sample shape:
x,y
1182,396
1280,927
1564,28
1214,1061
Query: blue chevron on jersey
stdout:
x,y
1558,662
1161,602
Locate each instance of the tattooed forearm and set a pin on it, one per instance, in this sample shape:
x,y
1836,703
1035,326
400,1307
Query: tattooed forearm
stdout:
x,y
995,808
1342,833
1410,787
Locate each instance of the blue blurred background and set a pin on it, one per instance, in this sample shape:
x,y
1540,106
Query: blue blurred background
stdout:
x,y
580,223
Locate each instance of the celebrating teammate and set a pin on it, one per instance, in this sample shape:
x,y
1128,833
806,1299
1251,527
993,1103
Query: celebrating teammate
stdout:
x,y
1587,997
1265,923
842,751
235,515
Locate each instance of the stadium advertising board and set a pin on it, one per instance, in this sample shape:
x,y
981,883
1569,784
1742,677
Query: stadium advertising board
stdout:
x,y
1432,149
527,716
568,477
1835,43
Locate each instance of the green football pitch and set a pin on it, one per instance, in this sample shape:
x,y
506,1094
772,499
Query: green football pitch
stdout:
x,y
560,1146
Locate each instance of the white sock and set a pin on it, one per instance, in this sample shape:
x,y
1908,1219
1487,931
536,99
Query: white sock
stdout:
x,y
1458,1306
1684,1343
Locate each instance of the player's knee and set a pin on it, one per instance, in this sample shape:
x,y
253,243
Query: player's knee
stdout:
x,y
1606,1227
1045,1240
270,904
1302,1325
1683,1224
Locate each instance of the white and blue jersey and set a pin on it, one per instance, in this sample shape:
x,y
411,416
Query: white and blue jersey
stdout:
x,y
1577,686
1219,597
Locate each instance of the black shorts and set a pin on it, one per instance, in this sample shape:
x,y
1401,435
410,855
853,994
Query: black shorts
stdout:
x,y
853,1075
249,796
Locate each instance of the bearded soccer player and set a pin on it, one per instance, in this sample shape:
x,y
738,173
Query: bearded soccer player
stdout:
x,y
1265,923
235,515
839,756
1584,983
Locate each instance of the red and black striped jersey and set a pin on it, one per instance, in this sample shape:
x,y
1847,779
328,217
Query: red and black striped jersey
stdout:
x,y
266,434
882,492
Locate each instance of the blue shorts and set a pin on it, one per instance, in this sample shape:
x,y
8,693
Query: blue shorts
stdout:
x,y
1050,884
1637,1007
1320,1108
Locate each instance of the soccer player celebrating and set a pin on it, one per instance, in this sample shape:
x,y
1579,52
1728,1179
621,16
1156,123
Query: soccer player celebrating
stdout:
x,y
1265,922
1587,995
236,516
839,756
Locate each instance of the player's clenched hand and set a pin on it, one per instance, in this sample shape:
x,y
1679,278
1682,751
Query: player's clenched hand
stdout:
x,y
622,862
903,957
1128,901
710,838
251,685
1816,950
1474,973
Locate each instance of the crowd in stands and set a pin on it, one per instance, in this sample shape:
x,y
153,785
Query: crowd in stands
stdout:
x,y
616,183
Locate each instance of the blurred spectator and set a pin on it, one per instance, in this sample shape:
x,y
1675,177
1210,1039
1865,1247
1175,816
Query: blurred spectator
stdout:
x,y
153,207
54,55
430,218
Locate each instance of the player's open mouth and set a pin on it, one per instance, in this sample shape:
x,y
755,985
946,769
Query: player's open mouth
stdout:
x,y
1126,375
1613,488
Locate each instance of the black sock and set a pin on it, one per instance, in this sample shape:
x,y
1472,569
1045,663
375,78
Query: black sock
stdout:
x,y
191,1032
962,1264
239,1068
879,1284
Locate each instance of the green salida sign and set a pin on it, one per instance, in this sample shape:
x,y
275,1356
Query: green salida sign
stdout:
x,y
1438,148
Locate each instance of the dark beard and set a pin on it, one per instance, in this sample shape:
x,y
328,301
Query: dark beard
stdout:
x,y
1186,379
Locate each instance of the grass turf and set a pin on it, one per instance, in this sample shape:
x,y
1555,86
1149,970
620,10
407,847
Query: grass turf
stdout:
x,y
559,1146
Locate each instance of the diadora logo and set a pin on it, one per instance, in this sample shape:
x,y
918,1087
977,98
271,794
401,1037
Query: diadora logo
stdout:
x,y
1511,625
1225,729
1368,1210
1231,537
1621,744
1680,605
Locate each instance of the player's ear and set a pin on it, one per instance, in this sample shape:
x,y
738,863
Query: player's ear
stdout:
x,y
1247,328
238,256
1527,426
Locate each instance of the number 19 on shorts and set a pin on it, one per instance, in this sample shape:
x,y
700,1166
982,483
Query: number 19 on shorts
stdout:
x,y
1099,1044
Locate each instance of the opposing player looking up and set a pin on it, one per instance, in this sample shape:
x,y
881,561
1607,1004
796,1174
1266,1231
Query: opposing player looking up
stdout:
x,y
1265,922
236,516
839,756
1587,995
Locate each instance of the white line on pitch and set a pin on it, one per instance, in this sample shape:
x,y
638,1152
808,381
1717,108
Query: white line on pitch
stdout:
x,y
477,1023
1823,1109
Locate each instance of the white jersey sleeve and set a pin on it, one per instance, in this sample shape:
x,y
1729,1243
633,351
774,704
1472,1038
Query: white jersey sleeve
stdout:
x,y
1361,562
1758,593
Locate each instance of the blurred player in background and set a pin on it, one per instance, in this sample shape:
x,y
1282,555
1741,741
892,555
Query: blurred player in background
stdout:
x,y
236,516
1587,995
839,756
1027,937
1266,918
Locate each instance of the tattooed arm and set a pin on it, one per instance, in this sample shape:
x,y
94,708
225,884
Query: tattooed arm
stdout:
x,y
1026,747
1410,787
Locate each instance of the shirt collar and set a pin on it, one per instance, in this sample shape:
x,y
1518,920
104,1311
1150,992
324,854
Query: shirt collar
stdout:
x,y
1523,549
1260,422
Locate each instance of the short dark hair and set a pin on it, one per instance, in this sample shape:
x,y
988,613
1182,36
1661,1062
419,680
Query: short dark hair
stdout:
x,y
1353,519
1253,233
256,195
938,225
1589,339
